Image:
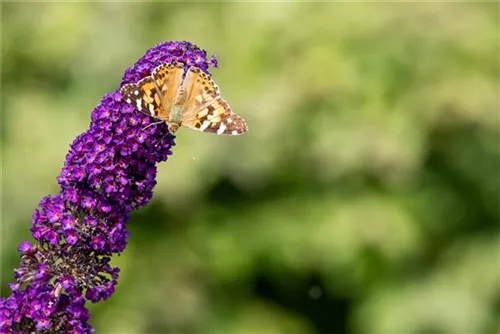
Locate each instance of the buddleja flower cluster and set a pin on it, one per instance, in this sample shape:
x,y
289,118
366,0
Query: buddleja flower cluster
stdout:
x,y
109,171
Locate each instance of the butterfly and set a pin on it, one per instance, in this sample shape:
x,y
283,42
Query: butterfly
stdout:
x,y
193,102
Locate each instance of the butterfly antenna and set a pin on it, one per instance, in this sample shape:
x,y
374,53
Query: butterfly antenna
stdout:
x,y
147,126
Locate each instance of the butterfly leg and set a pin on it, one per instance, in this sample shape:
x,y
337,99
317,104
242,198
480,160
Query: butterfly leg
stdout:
x,y
159,141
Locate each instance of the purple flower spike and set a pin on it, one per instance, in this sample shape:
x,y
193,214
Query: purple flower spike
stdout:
x,y
109,171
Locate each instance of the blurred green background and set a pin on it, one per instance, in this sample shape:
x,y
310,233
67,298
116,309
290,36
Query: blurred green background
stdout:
x,y
364,199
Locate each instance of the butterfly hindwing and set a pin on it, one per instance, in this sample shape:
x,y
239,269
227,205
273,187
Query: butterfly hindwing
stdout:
x,y
218,118
205,110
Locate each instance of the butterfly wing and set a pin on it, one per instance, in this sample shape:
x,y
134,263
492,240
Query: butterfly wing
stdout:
x,y
154,94
205,110
168,78
144,97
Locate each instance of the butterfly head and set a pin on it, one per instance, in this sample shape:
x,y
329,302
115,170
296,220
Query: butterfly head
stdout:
x,y
173,127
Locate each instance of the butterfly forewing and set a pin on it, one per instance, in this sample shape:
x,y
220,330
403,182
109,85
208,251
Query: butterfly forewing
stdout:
x,y
144,97
168,78
154,94
205,110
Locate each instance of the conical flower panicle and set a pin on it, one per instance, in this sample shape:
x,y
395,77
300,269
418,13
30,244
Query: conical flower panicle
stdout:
x,y
109,171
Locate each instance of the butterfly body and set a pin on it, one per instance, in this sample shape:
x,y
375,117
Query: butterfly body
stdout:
x,y
176,112
175,115
194,102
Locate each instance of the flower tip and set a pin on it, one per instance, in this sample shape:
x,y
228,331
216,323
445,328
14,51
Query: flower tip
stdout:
x,y
213,61
14,286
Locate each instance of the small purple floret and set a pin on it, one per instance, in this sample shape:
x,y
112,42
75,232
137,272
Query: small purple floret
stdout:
x,y
24,247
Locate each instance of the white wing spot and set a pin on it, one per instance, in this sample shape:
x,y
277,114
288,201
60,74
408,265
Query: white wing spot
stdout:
x,y
136,92
129,100
204,126
234,133
221,129
229,121
202,113
139,106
